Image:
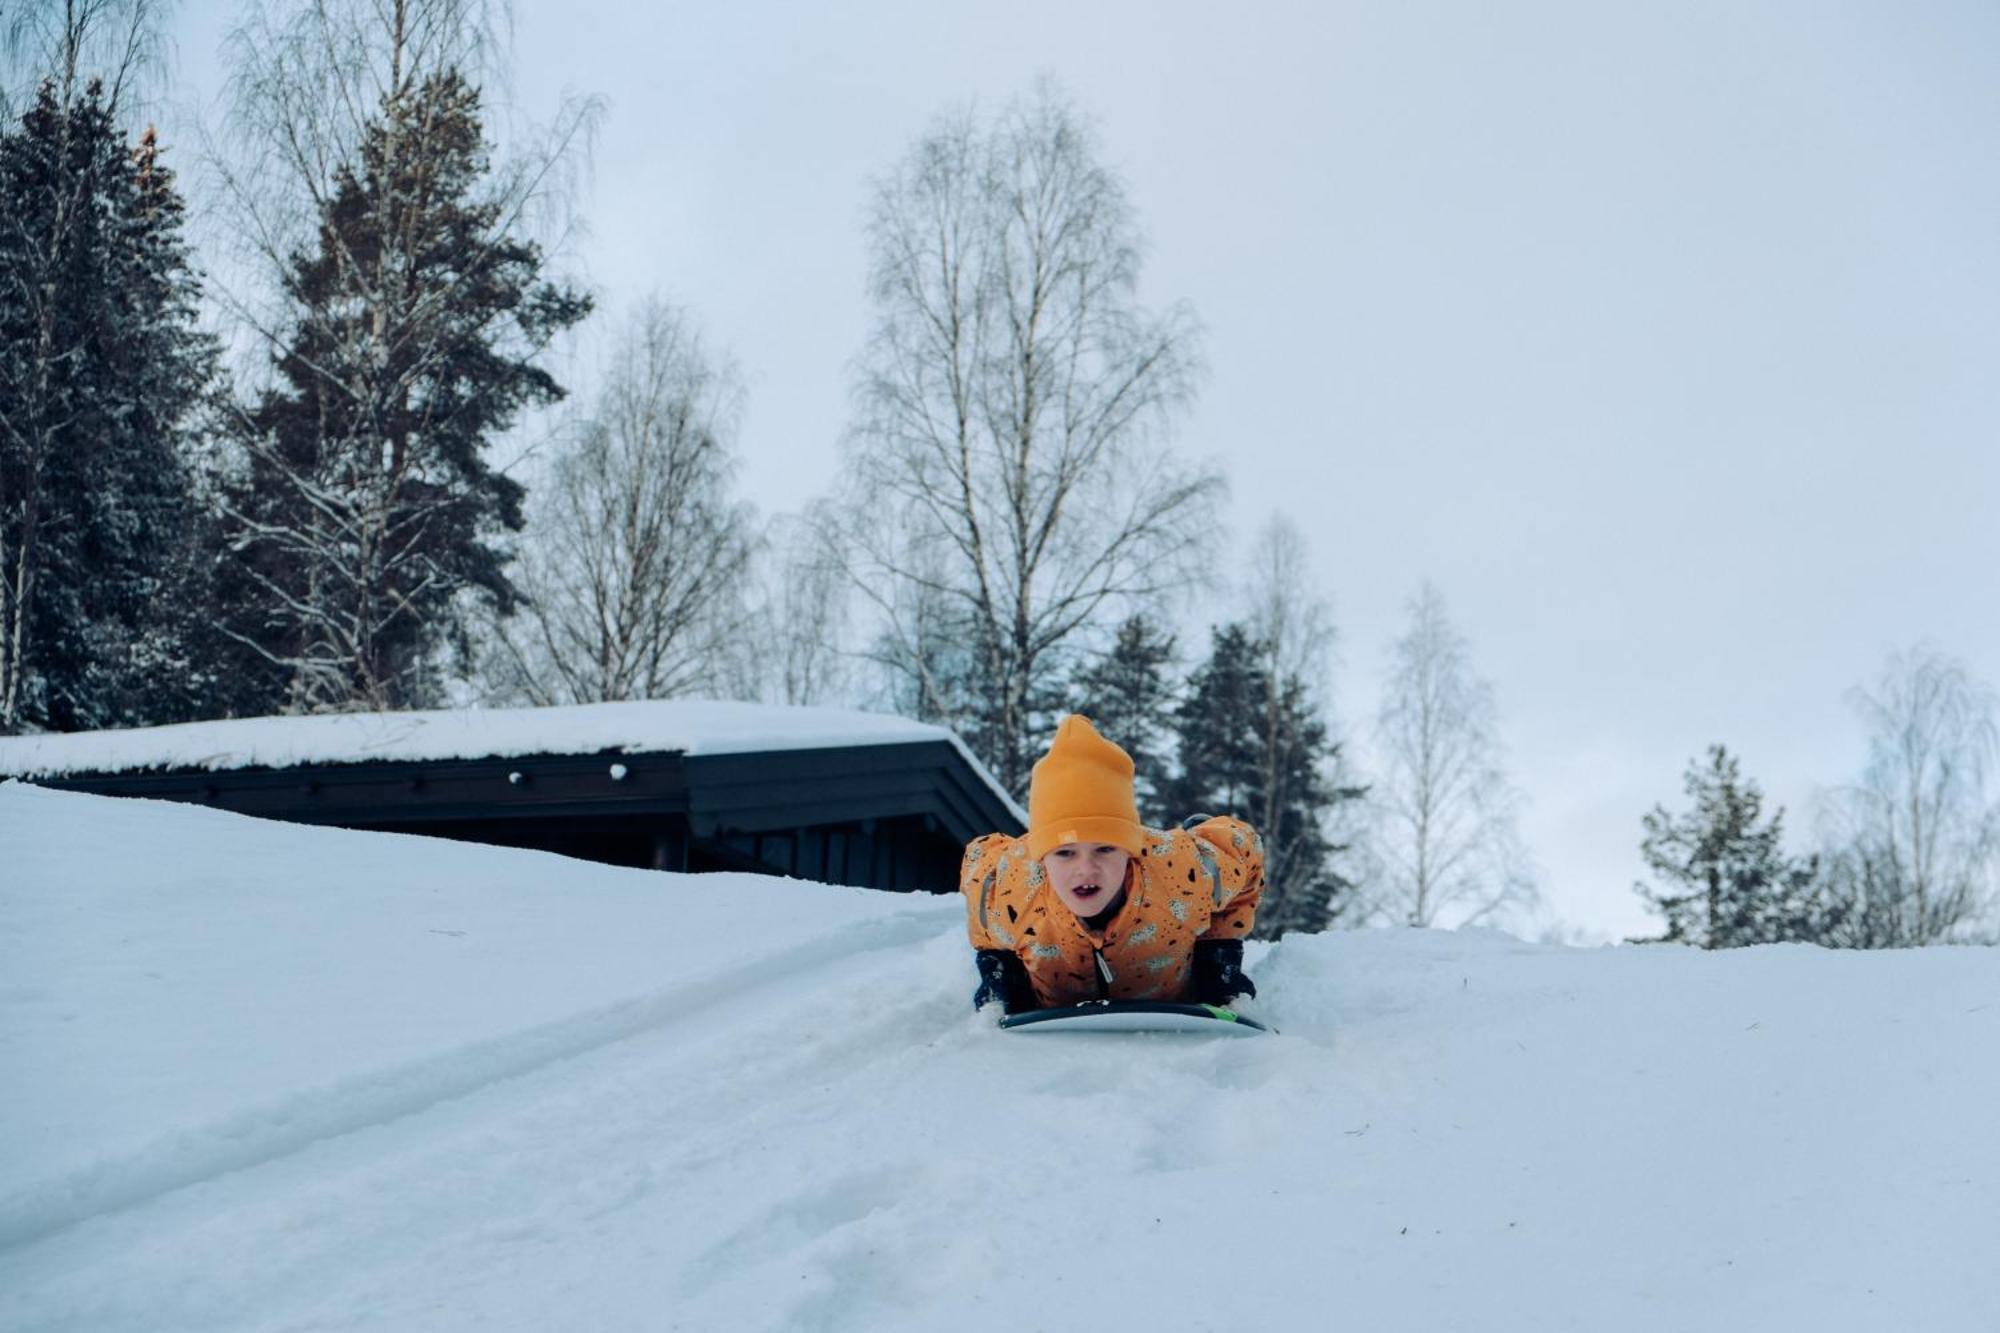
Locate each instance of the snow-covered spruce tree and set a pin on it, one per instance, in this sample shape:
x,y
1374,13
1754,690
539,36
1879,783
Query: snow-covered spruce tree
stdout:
x,y
1004,486
1443,837
1254,745
102,368
367,508
157,665
1730,883
1126,692
634,564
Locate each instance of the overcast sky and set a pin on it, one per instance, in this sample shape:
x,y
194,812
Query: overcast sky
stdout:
x,y
1664,338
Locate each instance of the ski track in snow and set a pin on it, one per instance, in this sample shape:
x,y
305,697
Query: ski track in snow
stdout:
x,y
262,1134
461,1171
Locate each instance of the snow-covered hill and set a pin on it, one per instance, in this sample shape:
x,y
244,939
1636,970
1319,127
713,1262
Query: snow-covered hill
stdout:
x,y
267,1077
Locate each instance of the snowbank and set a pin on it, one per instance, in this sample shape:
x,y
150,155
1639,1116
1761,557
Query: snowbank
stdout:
x,y
281,1078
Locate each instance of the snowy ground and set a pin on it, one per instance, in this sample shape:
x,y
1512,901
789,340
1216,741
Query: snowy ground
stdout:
x,y
268,1077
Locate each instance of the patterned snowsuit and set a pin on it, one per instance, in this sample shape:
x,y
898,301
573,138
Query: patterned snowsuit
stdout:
x,y
1186,886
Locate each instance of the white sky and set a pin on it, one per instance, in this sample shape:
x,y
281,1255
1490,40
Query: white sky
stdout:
x,y
1665,338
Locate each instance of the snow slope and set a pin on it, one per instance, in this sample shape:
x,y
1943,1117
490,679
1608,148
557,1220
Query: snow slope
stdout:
x,y
280,1078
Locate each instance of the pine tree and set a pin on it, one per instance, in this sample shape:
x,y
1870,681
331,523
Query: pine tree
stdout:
x,y
102,369
1305,892
1255,745
368,509
1216,728
162,614
1126,694
1736,885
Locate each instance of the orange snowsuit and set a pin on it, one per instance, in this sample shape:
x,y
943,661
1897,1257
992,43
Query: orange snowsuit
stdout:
x,y
1185,886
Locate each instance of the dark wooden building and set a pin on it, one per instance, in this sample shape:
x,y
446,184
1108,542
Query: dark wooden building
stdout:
x,y
889,811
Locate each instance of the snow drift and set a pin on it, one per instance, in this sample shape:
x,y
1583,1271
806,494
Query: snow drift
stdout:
x,y
271,1077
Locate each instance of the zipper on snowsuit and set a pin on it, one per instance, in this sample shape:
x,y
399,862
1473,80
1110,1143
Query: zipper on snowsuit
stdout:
x,y
1104,974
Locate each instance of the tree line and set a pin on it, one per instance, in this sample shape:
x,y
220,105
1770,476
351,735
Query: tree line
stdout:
x,y
285,490
293,479
326,528
1906,855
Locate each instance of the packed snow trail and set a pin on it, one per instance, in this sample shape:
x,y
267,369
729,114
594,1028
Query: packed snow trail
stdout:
x,y
634,1101
345,1106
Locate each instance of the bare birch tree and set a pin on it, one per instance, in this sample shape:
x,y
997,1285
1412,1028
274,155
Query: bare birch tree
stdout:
x,y
800,620
1445,842
69,42
1288,614
635,558
1005,488
1912,851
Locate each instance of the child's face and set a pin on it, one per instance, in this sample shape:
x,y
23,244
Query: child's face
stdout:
x,y
1086,876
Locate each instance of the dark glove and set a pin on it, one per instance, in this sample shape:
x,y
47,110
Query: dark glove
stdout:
x,y
1003,981
1217,976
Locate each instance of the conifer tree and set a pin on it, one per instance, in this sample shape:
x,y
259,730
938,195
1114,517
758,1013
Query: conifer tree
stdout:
x,y
1732,883
102,369
368,508
1216,732
1126,694
1253,744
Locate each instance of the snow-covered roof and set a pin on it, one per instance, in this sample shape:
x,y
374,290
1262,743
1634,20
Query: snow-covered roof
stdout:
x,y
685,726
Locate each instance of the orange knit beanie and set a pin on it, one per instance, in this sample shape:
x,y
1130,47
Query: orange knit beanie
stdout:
x,y
1082,792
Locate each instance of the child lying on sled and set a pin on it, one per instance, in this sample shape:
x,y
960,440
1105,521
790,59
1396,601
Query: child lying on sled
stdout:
x,y
1091,905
